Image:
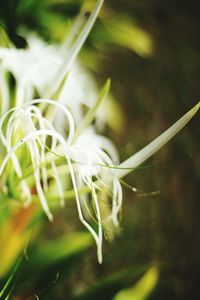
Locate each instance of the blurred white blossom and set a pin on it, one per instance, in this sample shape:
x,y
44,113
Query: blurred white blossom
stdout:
x,y
51,139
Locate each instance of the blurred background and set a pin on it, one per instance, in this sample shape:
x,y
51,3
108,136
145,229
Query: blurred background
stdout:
x,y
150,50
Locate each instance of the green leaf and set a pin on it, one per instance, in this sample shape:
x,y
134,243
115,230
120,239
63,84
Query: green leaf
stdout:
x,y
120,30
142,289
55,252
50,259
4,40
108,286
11,282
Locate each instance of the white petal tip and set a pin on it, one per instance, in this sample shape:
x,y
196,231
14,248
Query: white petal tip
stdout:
x,y
50,217
100,260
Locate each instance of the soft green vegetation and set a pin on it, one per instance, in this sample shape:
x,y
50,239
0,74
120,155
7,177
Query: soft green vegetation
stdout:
x,y
81,218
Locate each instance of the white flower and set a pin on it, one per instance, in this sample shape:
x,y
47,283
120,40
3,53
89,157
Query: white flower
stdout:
x,y
79,90
91,160
39,155
42,68
32,132
32,67
88,152
38,70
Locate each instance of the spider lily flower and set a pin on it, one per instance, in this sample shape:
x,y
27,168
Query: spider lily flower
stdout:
x,y
91,160
96,157
45,67
24,129
26,125
38,70
34,150
38,61
32,132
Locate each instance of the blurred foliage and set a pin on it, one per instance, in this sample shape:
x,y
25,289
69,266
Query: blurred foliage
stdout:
x,y
7,289
14,236
152,92
142,289
108,286
120,30
44,16
52,19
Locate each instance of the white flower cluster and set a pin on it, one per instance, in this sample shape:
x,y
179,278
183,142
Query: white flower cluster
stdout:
x,y
45,130
50,140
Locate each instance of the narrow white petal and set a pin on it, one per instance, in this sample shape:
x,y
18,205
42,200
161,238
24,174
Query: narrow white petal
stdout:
x,y
137,159
76,28
100,231
72,54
